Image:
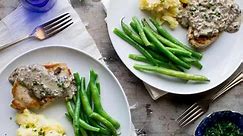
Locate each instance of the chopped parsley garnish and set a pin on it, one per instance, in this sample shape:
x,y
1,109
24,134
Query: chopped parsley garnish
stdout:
x,y
223,128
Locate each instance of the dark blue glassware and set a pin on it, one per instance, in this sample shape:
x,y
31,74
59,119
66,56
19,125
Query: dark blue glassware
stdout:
x,y
38,5
215,117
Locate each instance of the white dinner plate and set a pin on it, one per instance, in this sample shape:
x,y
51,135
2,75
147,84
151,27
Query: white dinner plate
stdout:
x,y
112,95
219,61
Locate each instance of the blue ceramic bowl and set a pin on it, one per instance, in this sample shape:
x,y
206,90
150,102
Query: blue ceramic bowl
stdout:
x,y
215,117
38,5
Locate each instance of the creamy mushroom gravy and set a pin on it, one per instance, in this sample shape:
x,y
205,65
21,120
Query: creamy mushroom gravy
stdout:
x,y
210,17
43,84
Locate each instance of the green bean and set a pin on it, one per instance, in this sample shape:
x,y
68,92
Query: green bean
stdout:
x,y
80,88
133,26
77,107
176,67
167,35
197,64
123,36
173,48
170,72
82,123
83,132
192,61
98,87
141,49
135,36
168,42
85,103
74,99
69,117
143,59
69,108
97,101
71,103
163,59
83,89
141,31
162,39
102,129
158,56
188,60
83,115
88,110
130,33
88,92
179,52
96,128
146,23
161,47
85,118
105,122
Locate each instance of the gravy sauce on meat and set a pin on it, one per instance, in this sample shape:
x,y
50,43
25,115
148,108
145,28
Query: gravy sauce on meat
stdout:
x,y
210,17
43,84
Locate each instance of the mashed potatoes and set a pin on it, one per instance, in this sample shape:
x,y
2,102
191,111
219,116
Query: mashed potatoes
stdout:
x,y
32,124
163,10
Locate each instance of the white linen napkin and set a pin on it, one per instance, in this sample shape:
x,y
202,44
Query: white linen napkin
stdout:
x,y
21,22
154,93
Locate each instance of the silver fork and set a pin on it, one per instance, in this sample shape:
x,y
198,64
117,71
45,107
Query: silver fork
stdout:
x,y
202,106
46,30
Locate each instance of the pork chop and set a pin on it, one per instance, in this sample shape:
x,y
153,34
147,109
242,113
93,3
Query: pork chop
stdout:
x,y
23,97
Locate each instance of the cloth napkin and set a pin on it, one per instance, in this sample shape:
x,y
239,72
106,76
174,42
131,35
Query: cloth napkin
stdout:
x,y
154,93
21,22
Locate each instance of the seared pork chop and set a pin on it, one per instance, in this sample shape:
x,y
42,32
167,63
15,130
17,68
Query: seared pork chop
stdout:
x,y
202,41
23,96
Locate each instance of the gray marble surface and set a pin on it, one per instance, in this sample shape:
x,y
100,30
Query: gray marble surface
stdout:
x,y
165,110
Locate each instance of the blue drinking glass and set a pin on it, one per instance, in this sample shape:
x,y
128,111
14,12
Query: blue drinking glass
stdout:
x,y
38,5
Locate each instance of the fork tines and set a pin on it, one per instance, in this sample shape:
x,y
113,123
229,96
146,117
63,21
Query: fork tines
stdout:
x,y
57,24
191,114
200,107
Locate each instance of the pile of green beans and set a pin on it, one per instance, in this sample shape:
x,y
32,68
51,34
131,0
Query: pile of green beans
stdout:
x,y
86,112
163,53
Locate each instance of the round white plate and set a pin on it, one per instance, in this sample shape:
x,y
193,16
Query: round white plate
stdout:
x,y
113,97
219,61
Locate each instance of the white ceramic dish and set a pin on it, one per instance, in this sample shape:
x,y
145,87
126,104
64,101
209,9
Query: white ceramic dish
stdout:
x,y
219,61
113,97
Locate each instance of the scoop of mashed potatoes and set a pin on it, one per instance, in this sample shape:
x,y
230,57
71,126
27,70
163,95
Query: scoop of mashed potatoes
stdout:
x,y
32,124
163,10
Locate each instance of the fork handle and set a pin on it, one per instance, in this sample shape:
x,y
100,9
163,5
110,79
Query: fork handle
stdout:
x,y
14,42
238,79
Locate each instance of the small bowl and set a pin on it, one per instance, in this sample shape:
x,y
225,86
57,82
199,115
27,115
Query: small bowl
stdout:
x,y
215,117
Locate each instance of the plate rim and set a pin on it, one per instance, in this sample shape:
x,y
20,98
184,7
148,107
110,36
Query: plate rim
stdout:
x,y
84,53
110,32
